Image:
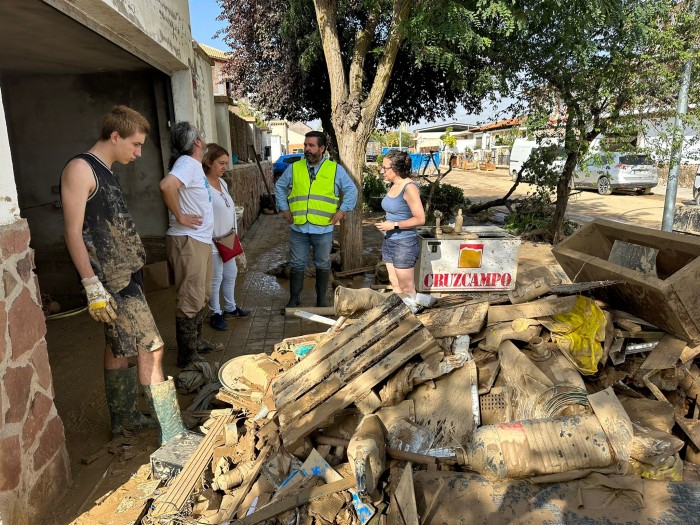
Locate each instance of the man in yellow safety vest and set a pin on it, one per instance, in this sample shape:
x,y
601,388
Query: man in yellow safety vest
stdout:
x,y
313,194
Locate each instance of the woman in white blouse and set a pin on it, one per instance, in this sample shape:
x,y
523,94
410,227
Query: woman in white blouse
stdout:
x,y
215,164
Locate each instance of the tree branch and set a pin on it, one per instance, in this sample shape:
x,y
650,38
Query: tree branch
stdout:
x,y
363,41
401,10
326,16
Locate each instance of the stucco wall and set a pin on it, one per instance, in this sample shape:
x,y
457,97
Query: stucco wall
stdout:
x,y
157,31
9,208
203,94
51,119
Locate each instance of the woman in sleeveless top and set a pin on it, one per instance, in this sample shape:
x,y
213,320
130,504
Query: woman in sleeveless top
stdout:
x,y
215,164
404,212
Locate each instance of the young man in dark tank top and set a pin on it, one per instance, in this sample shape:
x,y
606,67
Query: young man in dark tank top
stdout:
x,y
108,254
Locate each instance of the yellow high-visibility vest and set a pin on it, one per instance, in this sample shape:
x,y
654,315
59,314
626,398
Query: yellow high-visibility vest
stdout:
x,y
315,201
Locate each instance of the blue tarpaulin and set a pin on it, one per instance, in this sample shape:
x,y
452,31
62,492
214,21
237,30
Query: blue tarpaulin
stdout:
x,y
419,160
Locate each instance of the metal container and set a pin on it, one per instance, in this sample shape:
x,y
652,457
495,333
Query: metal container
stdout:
x,y
480,258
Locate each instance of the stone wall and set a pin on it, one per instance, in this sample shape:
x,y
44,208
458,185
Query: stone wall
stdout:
x,y
686,175
34,465
247,186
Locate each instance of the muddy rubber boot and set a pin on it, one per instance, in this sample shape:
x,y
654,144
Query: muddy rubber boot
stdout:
x,y
163,401
204,346
186,336
322,277
122,393
296,285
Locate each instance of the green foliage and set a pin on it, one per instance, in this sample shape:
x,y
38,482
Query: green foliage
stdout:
x,y
535,212
373,189
390,139
585,68
448,139
447,198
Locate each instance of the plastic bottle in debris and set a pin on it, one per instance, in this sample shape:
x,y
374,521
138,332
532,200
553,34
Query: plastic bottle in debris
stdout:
x,y
459,220
537,447
367,454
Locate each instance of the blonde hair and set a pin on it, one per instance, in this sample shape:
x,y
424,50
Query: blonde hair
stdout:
x,y
125,121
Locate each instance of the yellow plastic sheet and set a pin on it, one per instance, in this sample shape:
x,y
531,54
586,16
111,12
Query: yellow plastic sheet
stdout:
x,y
578,334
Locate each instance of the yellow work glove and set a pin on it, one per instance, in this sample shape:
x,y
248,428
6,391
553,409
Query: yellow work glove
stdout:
x,y
101,305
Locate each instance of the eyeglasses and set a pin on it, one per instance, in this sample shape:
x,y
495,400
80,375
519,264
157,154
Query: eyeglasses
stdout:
x,y
225,199
384,168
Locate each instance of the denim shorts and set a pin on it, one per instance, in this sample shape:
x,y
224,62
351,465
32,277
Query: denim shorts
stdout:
x,y
402,252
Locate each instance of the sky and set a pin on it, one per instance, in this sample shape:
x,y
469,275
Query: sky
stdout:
x,y
204,24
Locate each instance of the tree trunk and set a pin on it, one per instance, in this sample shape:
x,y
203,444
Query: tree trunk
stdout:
x,y
557,227
351,148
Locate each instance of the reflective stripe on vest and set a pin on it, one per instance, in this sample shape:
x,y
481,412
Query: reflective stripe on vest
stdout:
x,y
314,202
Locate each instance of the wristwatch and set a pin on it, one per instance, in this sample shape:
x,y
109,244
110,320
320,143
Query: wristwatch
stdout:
x,y
396,226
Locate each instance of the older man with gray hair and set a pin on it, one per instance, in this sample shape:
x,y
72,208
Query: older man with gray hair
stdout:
x,y
186,193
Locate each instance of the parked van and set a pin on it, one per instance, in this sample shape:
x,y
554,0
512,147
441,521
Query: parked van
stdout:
x,y
608,171
520,152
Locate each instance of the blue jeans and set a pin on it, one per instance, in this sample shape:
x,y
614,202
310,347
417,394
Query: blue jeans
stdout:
x,y
299,244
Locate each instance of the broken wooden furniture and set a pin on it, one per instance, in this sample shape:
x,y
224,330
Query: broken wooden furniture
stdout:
x,y
345,368
664,293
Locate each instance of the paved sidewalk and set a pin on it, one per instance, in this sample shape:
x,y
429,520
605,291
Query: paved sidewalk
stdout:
x,y
266,246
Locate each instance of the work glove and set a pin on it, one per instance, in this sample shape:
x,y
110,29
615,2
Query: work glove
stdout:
x,y
101,304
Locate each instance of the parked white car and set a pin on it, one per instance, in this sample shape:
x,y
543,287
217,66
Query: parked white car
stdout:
x,y
609,171
521,151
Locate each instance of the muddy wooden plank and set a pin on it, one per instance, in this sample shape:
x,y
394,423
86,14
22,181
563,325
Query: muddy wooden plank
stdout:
x,y
531,310
356,271
347,371
300,406
297,500
689,352
237,400
181,488
456,320
358,387
666,353
321,352
350,350
402,505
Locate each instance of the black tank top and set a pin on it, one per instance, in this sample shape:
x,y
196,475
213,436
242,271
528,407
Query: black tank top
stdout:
x,y
109,232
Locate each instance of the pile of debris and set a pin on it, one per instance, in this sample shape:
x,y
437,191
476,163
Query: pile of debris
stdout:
x,y
362,423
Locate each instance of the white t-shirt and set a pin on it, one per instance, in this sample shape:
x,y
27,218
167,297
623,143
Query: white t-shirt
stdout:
x,y
195,199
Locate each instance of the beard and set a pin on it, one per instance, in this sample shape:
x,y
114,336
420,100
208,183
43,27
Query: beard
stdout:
x,y
313,159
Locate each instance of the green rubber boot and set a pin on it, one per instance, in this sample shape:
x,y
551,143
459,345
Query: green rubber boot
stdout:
x,y
204,346
322,277
163,401
122,393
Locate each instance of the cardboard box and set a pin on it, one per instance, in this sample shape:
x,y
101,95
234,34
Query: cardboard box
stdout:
x,y
156,276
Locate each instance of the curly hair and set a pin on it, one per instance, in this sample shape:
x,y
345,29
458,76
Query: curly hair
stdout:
x,y
400,163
